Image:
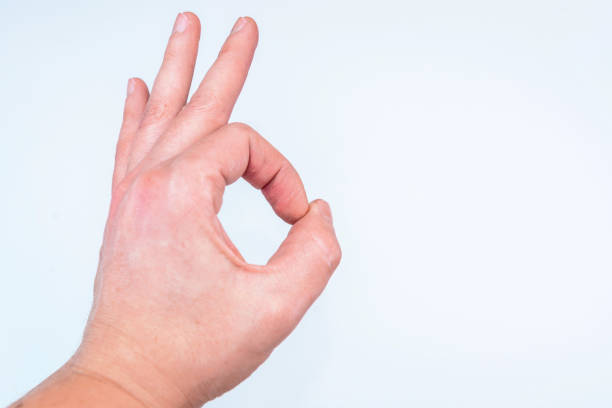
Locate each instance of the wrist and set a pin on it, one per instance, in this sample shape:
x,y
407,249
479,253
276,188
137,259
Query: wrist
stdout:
x,y
109,355
69,387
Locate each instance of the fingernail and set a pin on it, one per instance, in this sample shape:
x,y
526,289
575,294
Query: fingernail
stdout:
x,y
325,210
130,87
181,23
240,23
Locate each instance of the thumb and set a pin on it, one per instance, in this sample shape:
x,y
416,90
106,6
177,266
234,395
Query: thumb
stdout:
x,y
309,255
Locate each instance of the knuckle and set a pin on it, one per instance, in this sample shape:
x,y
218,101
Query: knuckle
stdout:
x,y
239,132
278,316
240,127
172,54
336,254
149,184
131,111
209,104
204,183
229,54
154,114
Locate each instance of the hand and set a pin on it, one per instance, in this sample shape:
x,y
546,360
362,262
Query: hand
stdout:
x,y
179,317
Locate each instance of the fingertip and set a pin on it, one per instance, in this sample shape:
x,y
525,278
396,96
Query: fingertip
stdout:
x,y
289,206
252,23
310,247
194,20
248,25
136,85
287,196
323,211
255,29
322,207
300,212
136,98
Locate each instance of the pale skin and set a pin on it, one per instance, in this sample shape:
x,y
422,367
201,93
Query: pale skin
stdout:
x,y
179,317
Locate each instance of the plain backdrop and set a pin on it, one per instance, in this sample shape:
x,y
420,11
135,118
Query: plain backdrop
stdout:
x,y
465,150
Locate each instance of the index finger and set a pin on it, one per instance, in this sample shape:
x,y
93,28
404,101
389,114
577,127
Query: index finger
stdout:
x,y
237,150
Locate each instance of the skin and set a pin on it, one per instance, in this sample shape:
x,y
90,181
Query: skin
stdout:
x,y
179,317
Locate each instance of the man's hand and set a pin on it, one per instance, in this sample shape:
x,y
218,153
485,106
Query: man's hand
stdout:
x,y
179,317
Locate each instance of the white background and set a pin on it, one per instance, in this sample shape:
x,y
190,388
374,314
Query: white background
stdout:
x,y
465,150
